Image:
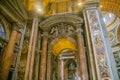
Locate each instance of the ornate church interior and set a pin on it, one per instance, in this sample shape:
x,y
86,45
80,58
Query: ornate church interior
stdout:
x,y
59,40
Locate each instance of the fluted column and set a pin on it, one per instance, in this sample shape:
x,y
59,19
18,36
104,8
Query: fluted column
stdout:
x,y
43,57
8,53
31,51
49,66
81,55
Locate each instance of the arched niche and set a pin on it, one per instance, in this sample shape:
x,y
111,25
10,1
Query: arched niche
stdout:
x,y
64,46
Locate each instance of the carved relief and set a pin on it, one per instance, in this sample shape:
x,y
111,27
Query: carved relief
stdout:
x,y
61,29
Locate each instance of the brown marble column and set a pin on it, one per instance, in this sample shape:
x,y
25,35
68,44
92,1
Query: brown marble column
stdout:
x,y
7,55
49,66
81,54
43,57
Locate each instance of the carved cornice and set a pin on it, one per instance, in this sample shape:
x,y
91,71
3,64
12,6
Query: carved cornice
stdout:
x,y
68,18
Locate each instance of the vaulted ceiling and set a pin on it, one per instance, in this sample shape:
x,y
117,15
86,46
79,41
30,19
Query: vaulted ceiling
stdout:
x,y
57,6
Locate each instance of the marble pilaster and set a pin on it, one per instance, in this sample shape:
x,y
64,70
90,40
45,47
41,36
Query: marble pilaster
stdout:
x,y
43,57
100,47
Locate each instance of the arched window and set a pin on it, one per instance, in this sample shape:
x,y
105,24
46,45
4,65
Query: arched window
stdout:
x,y
2,32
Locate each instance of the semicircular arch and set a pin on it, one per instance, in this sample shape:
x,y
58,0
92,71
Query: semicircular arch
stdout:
x,y
46,25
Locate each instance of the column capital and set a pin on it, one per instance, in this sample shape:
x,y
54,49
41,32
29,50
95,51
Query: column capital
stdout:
x,y
16,26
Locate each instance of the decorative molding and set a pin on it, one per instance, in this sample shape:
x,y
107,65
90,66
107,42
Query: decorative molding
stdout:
x,y
67,18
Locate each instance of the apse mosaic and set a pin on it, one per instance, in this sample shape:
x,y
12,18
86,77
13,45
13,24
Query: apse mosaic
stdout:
x,y
98,44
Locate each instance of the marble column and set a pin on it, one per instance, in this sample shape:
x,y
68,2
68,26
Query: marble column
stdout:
x,y
49,66
31,50
8,53
62,69
81,55
43,56
104,63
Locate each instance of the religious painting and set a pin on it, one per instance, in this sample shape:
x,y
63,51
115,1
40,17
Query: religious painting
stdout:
x,y
72,71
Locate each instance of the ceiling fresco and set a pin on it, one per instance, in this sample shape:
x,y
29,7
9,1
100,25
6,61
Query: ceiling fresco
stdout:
x,y
57,6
